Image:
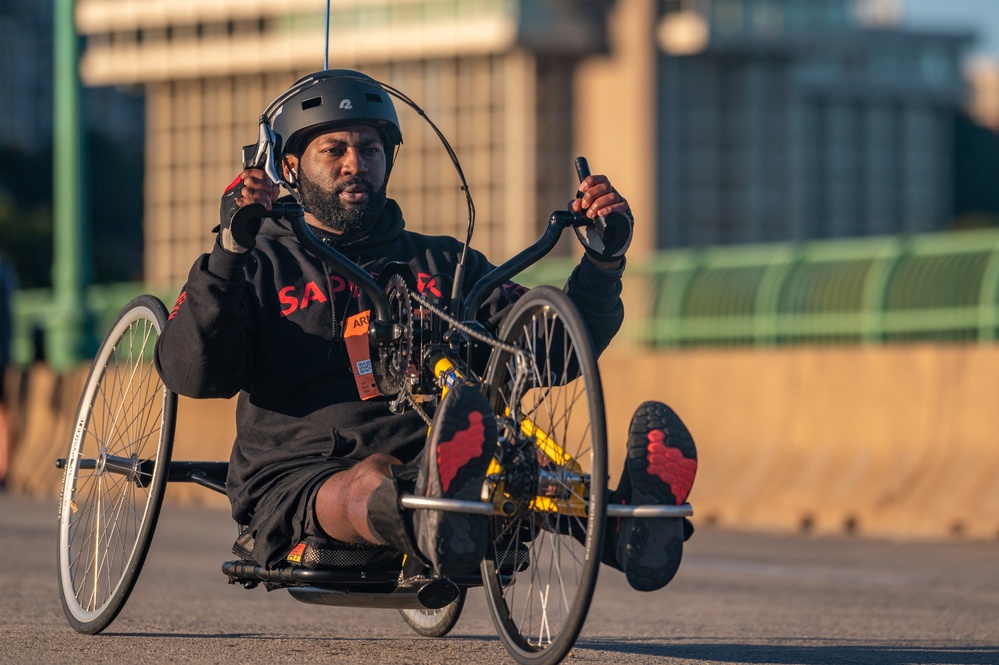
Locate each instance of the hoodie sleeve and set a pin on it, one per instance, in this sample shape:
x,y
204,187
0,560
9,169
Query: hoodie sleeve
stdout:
x,y
597,295
206,347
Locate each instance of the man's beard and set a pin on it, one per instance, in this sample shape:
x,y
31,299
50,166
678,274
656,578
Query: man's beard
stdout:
x,y
330,210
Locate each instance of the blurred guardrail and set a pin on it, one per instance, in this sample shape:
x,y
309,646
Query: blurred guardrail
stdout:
x,y
941,287
935,287
927,287
35,310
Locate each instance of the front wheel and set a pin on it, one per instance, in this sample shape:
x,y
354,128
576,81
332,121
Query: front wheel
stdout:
x,y
116,471
545,389
436,623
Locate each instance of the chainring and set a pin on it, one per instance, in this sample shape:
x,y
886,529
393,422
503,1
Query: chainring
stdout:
x,y
391,361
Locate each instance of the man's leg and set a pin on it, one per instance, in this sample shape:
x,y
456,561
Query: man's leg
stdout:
x,y
342,500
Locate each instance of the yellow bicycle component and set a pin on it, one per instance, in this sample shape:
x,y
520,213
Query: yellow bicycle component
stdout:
x,y
573,506
548,446
446,374
443,367
494,468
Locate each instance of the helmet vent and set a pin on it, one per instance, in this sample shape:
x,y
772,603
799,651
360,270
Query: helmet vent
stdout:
x,y
372,97
312,103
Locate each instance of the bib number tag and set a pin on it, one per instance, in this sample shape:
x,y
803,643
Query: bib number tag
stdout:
x,y
359,352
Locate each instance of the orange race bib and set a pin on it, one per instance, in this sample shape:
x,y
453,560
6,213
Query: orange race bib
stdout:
x,y
359,352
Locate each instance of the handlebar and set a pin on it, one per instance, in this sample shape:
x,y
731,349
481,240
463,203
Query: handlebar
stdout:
x,y
613,230
382,330
557,222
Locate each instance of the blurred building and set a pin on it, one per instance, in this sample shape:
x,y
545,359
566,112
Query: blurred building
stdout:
x,y
976,196
722,121
26,74
26,34
983,100
496,76
789,119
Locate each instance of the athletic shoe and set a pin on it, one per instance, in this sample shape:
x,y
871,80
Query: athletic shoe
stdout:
x,y
659,469
461,445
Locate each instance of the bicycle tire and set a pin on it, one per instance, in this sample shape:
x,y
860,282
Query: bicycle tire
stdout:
x,y
436,623
542,569
116,470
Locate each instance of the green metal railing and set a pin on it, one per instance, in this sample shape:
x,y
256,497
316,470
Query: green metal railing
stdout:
x,y
939,287
36,311
933,287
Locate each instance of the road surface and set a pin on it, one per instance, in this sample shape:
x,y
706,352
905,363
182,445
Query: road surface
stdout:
x,y
739,598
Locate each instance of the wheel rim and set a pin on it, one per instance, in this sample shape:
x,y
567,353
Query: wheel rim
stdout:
x,y
112,482
541,607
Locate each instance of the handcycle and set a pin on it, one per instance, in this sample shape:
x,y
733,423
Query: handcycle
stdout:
x,y
545,495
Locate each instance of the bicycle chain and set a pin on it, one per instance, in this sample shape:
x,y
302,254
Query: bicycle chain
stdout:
x,y
455,323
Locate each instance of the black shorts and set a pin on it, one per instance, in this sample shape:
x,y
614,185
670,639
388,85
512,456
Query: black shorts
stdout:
x,y
285,514
310,525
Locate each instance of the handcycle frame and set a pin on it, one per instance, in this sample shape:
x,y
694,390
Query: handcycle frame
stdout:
x,y
580,513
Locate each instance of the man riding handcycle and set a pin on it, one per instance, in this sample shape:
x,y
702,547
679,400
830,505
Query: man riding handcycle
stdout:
x,y
323,461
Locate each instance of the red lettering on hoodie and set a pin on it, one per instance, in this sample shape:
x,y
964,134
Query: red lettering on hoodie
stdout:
x,y
289,300
180,301
312,294
426,282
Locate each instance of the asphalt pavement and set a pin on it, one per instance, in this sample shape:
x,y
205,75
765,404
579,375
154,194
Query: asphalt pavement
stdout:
x,y
739,598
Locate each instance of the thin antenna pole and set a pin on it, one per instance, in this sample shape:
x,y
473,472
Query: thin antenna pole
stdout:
x,y
326,51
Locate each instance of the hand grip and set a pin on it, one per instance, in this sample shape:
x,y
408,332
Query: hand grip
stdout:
x,y
582,170
614,230
245,224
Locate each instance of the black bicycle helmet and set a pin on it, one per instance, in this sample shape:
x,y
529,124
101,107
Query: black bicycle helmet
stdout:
x,y
327,99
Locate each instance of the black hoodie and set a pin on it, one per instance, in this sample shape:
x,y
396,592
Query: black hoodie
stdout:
x,y
268,325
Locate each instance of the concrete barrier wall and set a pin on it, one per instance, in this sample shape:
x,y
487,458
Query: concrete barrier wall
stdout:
x,y
896,441
891,441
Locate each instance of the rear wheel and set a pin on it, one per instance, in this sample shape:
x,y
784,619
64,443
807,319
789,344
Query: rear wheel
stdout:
x,y
116,471
542,568
436,623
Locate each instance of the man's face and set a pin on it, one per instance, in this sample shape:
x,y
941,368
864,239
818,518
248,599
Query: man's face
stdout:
x,y
341,177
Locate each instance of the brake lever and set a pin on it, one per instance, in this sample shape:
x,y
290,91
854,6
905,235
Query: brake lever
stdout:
x,y
261,154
